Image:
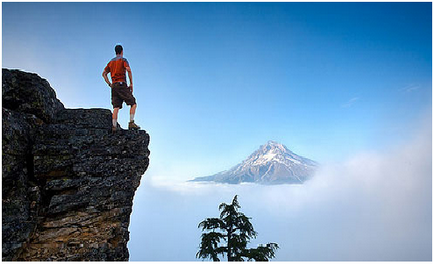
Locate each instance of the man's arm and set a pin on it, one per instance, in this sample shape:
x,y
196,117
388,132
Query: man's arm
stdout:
x,y
104,74
130,76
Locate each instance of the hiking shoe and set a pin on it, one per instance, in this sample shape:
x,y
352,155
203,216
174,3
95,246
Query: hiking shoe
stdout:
x,y
132,125
114,129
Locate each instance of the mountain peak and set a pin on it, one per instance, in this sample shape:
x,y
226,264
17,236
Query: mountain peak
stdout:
x,y
272,163
273,145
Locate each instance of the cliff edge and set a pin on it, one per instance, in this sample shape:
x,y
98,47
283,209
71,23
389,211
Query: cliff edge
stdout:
x,y
68,183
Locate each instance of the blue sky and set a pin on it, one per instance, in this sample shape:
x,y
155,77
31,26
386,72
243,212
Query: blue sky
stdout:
x,y
214,81
223,78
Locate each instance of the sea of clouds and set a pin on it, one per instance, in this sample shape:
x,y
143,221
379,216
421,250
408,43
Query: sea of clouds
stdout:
x,y
377,205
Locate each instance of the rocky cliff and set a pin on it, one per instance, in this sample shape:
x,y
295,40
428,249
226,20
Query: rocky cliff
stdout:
x,y
68,183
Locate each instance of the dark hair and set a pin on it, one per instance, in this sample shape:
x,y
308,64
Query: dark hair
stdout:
x,y
118,49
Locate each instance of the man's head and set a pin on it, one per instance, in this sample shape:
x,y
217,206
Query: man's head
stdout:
x,y
118,49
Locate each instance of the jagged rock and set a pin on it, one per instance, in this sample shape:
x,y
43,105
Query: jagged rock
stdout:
x,y
28,93
68,182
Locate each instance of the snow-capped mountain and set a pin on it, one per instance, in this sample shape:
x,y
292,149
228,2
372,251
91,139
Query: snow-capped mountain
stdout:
x,y
272,163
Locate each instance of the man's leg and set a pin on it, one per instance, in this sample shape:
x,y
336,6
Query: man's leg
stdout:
x,y
132,112
115,117
133,125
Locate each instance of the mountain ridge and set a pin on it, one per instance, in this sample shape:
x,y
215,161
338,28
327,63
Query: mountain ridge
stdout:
x,y
272,163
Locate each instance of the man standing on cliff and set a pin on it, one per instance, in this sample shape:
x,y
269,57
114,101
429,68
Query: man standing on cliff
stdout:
x,y
120,91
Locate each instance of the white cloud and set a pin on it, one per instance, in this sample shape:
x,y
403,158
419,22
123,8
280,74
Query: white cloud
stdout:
x,y
410,88
375,206
350,102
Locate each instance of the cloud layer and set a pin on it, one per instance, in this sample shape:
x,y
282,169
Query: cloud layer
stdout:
x,y
375,206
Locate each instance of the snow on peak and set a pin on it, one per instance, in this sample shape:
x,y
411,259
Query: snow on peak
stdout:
x,y
271,163
275,147
272,152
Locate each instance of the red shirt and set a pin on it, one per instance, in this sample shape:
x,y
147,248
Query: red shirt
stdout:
x,y
117,67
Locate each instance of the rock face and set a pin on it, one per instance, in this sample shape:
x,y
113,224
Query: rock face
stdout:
x,y
272,163
68,182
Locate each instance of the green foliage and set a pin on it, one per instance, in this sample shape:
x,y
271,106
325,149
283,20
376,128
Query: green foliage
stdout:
x,y
234,229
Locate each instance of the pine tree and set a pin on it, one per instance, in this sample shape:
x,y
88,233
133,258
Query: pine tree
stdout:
x,y
234,229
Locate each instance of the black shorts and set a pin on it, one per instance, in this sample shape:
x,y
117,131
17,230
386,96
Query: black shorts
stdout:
x,y
121,93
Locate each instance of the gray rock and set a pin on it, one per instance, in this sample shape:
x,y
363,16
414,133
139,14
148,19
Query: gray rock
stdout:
x,y
30,94
68,182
